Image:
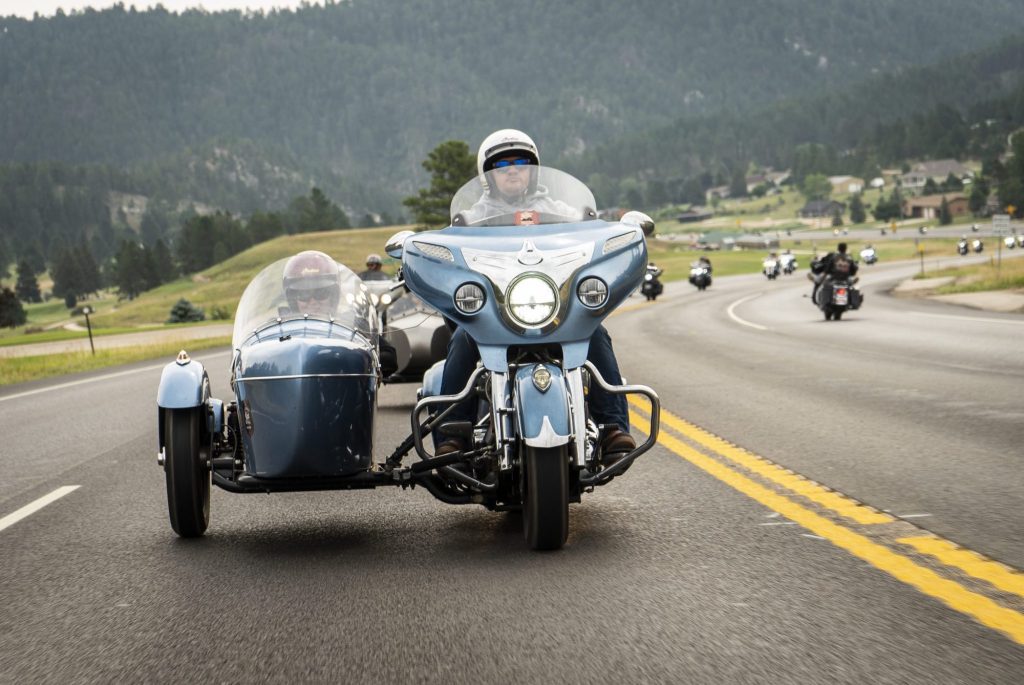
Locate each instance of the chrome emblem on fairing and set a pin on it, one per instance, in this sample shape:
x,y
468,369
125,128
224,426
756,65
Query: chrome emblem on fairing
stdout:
x,y
529,256
541,377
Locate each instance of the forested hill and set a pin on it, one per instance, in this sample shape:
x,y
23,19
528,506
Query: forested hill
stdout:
x,y
366,88
962,107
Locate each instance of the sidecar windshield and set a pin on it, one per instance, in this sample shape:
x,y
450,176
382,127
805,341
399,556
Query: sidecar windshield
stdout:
x,y
347,305
521,195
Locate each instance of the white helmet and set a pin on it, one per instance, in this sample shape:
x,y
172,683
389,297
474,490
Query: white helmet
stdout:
x,y
501,143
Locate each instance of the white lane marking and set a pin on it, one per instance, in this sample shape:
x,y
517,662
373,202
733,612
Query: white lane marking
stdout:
x,y
108,376
968,318
779,523
737,319
33,507
911,516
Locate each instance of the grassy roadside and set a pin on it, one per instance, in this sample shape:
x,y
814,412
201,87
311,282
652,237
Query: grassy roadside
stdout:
x,y
675,257
21,369
982,277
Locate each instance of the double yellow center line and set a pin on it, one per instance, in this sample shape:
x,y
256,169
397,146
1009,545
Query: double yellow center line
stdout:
x,y
836,518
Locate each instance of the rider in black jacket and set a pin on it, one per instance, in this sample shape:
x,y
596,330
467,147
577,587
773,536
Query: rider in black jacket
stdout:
x,y
834,264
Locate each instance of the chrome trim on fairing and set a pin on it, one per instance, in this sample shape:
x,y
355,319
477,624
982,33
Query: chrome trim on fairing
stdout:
x,y
574,378
242,379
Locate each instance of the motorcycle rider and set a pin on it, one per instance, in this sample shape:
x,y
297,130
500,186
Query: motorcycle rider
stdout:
x,y
704,262
826,267
374,269
312,283
506,165
312,287
514,157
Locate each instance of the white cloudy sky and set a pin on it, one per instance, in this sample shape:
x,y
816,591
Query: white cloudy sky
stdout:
x,y
26,8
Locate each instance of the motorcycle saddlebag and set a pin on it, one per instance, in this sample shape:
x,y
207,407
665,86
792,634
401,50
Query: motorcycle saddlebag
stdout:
x,y
855,298
306,407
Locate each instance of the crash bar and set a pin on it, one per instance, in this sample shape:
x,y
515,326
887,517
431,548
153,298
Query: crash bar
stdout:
x,y
621,465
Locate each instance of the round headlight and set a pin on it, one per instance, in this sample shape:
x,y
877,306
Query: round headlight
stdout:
x,y
592,292
532,300
469,298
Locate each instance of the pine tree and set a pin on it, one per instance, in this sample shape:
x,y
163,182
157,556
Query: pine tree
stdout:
x,y
130,270
11,312
945,218
27,287
857,213
450,165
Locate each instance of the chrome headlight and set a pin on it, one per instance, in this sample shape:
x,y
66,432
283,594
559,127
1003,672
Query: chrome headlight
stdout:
x,y
592,292
469,298
532,300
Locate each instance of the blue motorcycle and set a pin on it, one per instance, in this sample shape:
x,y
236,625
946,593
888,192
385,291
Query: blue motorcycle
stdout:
x,y
530,283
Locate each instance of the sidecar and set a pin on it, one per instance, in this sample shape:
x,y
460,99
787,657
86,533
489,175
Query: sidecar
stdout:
x,y
304,374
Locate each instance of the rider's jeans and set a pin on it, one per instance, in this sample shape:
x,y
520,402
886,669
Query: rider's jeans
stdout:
x,y
605,408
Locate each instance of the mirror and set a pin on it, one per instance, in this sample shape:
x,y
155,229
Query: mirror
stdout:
x,y
394,244
640,219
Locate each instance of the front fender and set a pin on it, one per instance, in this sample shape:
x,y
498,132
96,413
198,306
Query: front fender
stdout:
x,y
543,417
181,385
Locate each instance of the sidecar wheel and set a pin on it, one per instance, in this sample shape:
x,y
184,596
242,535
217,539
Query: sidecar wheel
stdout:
x,y
188,478
546,497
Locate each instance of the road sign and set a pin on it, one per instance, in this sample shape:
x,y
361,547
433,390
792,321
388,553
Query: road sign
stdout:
x,y
1001,224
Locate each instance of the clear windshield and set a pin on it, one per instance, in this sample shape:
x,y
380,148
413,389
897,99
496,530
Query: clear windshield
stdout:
x,y
522,195
264,302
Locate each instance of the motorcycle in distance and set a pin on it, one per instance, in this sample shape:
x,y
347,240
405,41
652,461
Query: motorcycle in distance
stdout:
x,y
977,245
962,247
417,332
1010,241
868,255
788,262
837,293
700,275
652,285
770,267
530,287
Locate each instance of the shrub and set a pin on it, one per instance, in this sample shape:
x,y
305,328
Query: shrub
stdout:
x,y
219,313
184,311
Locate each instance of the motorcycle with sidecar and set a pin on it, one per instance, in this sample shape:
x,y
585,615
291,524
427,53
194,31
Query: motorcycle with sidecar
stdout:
x,y
530,287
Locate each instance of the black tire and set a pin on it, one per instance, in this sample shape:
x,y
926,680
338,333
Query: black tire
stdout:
x,y
828,313
545,497
188,478
838,315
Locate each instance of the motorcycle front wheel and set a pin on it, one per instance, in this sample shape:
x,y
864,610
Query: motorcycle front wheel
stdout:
x,y
188,478
546,497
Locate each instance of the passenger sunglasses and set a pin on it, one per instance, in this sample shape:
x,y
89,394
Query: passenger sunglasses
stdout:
x,y
505,163
320,295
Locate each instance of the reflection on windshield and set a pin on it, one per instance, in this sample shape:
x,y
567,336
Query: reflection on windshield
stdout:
x,y
265,301
522,196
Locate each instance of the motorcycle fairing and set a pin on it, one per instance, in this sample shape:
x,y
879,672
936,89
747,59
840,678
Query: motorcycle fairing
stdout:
x,y
437,263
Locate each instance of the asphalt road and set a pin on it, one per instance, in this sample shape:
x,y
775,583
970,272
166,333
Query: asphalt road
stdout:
x,y
710,561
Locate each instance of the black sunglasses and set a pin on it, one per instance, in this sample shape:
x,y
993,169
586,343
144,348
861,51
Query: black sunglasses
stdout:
x,y
320,294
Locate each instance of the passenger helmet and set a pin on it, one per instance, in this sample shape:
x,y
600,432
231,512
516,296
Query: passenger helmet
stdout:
x,y
502,143
312,273
373,259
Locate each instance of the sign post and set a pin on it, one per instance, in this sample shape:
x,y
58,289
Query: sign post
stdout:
x,y
1001,228
87,310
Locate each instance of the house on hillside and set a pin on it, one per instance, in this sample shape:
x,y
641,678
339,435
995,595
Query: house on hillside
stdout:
x,y
695,214
846,184
927,206
719,192
937,170
820,208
